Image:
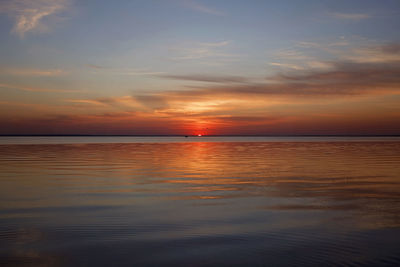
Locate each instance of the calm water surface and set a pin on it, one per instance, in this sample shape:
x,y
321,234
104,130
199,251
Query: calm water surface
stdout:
x,y
174,201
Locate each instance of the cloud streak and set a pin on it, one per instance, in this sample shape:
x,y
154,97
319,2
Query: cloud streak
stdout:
x,y
33,72
123,101
202,8
345,78
29,14
36,89
206,78
122,71
375,54
200,50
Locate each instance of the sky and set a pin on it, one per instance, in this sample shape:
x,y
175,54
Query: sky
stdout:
x,y
210,67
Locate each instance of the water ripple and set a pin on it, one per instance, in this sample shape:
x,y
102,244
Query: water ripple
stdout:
x,y
277,203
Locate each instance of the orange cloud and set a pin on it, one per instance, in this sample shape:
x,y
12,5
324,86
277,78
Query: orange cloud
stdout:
x,y
350,97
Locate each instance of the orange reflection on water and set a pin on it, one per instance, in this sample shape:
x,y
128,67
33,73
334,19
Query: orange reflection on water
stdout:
x,y
321,175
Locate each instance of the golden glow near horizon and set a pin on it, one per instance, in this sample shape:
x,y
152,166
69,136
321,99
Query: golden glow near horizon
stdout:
x,y
176,70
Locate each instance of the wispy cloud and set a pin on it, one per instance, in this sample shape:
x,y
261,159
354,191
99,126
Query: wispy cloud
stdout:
x,y
345,79
32,72
137,102
215,44
122,101
351,16
372,53
206,78
291,54
336,43
36,89
202,50
86,101
29,15
306,55
122,71
136,72
286,65
202,8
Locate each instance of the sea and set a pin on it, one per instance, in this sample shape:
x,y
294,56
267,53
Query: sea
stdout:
x,y
199,201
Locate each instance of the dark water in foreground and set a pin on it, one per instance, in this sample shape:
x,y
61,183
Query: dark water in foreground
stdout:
x,y
200,202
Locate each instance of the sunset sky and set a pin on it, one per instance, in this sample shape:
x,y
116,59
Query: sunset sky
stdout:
x,y
199,67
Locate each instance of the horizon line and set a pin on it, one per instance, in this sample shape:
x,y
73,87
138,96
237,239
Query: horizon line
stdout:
x,y
182,135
